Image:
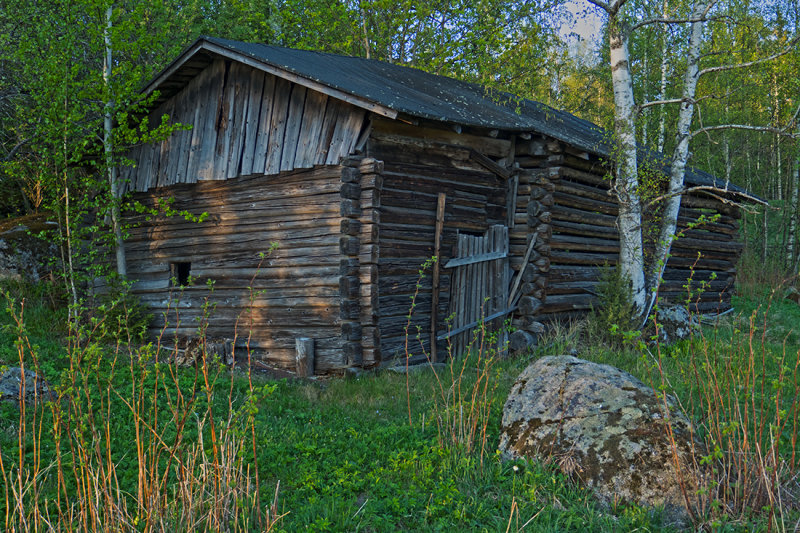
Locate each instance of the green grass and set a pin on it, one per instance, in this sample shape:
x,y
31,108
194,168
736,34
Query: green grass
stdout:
x,y
343,450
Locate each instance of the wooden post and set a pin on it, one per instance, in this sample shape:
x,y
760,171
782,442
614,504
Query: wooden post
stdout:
x,y
304,356
435,282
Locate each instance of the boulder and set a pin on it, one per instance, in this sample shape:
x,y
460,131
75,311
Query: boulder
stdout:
x,y
11,386
605,428
519,341
23,255
675,323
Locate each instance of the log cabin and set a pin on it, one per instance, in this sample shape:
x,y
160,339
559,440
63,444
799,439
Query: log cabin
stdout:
x,y
361,171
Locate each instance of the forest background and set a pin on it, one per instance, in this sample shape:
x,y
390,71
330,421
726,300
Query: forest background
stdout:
x,y
55,91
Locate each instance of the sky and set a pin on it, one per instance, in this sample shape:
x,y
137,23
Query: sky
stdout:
x,y
582,20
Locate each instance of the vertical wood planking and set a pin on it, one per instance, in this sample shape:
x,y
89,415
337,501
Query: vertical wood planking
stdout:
x,y
205,167
313,117
244,122
293,124
178,158
224,126
254,101
280,110
240,75
199,99
345,135
161,173
264,124
326,133
239,79
356,122
143,167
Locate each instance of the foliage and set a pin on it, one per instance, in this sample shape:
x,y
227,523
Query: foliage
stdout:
x,y
614,316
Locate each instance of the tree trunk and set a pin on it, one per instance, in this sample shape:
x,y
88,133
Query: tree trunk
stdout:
x,y
680,154
113,180
791,252
662,95
629,220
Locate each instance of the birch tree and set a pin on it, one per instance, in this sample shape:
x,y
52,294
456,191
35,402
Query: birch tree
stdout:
x,y
646,278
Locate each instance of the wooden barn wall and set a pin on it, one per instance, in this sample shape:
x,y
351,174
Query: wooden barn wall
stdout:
x,y
295,288
576,219
419,163
243,122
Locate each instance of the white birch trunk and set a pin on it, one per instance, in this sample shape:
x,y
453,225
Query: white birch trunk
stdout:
x,y
629,222
108,124
669,215
662,118
790,249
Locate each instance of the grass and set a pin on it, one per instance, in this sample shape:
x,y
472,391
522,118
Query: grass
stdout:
x,y
342,450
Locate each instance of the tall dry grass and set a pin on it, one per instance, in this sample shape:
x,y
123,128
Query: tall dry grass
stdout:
x,y
189,436
743,393
465,385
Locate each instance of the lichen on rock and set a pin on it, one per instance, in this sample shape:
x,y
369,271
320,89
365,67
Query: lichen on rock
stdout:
x,y
615,433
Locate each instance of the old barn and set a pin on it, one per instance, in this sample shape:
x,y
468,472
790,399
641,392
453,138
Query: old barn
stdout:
x,y
361,171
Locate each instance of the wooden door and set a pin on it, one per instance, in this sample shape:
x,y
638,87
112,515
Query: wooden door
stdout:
x,y
479,288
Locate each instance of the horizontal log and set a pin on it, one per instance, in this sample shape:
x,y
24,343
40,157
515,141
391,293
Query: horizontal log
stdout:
x,y
582,258
490,146
586,204
589,244
587,230
578,215
568,302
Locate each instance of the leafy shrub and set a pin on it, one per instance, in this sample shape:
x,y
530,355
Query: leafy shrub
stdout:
x,y
613,320
120,316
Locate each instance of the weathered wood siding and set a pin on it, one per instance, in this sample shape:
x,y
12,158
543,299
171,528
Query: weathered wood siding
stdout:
x,y
293,292
419,163
243,122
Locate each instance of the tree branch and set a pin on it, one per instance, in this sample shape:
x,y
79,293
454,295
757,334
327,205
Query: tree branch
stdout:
x,y
679,100
602,5
670,21
660,102
765,129
721,68
711,191
13,151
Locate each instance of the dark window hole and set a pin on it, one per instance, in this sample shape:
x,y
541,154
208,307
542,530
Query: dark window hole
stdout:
x,y
179,273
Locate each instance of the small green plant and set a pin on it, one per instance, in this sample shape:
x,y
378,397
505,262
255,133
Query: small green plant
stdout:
x,y
124,317
613,320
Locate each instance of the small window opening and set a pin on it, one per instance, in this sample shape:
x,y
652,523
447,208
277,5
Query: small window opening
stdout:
x,y
179,273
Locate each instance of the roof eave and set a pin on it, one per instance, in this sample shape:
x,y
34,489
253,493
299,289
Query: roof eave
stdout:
x,y
202,44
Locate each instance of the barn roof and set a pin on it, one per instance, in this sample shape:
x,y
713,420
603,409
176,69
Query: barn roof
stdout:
x,y
390,90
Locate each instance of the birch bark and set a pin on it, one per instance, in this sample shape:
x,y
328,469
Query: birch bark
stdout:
x,y
108,124
680,156
629,222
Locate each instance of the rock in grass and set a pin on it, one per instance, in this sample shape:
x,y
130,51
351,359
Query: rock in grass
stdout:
x,y
604,427
11,386
520,340
24,256
676,323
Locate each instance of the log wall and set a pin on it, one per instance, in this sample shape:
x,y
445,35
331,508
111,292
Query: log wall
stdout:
x,y
577,221
420,162
241,121
295,291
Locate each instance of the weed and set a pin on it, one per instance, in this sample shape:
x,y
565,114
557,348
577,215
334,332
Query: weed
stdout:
x,y
614,318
